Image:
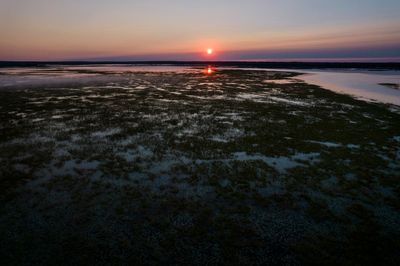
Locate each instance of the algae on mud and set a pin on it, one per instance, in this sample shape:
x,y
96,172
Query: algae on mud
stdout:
x,y
186,168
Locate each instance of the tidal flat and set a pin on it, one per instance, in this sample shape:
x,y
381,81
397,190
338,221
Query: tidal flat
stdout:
x,y
236,167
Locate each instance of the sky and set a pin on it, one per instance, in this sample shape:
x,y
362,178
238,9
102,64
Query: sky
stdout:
x,y
265,30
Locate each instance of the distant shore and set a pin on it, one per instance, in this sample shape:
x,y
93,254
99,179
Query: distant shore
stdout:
x,y
290,65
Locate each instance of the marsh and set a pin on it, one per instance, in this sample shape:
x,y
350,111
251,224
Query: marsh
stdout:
x,y
177,166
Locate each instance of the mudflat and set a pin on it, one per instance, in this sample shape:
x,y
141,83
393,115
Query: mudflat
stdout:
x,y
232,167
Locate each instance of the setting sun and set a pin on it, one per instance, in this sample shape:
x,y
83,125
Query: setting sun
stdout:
x,y
210,51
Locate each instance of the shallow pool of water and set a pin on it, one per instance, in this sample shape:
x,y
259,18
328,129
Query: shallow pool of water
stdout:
x,y
362,85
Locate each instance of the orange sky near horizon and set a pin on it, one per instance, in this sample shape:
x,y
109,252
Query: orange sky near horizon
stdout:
x,y
62,30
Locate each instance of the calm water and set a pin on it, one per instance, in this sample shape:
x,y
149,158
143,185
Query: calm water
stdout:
x,y
364,85
359,83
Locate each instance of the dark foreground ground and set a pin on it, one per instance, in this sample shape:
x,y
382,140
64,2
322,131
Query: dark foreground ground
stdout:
x,y
193,169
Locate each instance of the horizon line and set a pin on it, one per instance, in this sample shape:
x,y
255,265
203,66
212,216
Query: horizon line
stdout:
x,y
325,60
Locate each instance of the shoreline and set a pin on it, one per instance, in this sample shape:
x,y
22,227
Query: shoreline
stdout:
x,y
362,84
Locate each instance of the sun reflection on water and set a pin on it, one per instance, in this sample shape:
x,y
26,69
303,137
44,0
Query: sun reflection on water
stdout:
x,y
209,70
